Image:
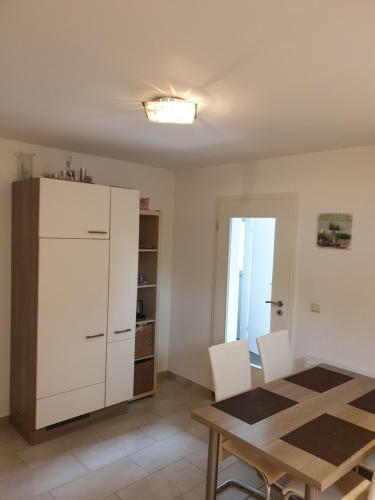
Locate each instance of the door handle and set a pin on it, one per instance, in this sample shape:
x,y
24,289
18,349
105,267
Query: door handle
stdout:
x,y
97,232
279,303
116,332
95,336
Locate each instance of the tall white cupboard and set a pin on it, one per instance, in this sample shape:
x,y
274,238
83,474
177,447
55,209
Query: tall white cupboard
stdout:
x,y
74,292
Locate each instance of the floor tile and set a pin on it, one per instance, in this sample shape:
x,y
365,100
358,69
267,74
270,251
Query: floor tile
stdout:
x,y
104,452
199,493
9,464
97,462
170,405
167,426
198,430
99,484
26,484
166,484
7,433
199,459
122,424
166,452
45,496
62,445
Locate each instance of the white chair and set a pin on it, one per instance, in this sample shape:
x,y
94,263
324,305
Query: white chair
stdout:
x,y
231,373
231,370
275,355
350,487
369,463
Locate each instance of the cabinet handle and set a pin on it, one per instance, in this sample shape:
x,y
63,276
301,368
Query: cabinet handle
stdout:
x,y
116,332
95,336
97,232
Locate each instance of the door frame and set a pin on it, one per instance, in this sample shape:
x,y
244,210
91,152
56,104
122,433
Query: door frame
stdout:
x,y
293,196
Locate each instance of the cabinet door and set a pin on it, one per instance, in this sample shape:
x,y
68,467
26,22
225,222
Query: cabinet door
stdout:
x,y
73,293
120,372
73,210
123,264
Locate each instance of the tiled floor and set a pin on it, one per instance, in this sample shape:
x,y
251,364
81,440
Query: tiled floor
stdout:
x,y
155,451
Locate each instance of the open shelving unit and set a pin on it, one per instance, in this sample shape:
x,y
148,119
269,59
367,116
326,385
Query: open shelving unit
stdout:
x,y
146,328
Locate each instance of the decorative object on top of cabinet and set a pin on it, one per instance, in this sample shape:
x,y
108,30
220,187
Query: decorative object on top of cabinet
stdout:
x,y
144,203
68,174
73,324
25,165
146,332
75,175
68,166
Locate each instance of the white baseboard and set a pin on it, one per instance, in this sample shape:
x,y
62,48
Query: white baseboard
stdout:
x,y
312,361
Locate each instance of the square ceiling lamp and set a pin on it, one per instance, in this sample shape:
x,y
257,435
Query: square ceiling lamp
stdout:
x,y
171,110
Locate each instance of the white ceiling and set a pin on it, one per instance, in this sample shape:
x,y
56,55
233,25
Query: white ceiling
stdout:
x,y
272,77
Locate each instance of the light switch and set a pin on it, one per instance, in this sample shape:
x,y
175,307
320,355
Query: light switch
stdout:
x,y
315,308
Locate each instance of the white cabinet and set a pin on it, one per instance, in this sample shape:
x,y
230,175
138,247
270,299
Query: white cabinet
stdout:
x,y
73,210
123,264
122,295
120,371
69,405
73,297
74,290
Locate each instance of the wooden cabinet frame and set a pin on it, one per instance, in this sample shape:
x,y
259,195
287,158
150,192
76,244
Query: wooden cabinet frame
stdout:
x,y
24,316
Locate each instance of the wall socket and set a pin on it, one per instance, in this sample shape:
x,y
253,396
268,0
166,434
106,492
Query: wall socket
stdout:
x,y
315,308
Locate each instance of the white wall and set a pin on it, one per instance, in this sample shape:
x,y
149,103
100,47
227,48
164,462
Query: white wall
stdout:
x,y
343,282
156,183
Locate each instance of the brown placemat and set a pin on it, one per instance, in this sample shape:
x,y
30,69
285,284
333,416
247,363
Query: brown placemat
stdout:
x,y
365,402
330,438
319,379
255,405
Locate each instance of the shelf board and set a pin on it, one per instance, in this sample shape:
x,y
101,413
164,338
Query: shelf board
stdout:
x,y
144,357
148,250
151,285
150,212
144,321
144,394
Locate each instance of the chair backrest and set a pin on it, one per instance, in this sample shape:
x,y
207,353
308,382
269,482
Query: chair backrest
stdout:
x,y
275,355
231,370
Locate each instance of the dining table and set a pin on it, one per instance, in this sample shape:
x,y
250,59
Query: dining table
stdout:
x,y
316,425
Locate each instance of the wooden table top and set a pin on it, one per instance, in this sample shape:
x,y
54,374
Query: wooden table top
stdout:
x,y
264,437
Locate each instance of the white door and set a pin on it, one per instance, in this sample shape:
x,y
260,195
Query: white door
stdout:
x,y
73,210
123,264
120,372
72,321
255,257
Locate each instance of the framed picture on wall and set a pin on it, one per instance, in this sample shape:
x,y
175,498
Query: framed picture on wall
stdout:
x,y
335,231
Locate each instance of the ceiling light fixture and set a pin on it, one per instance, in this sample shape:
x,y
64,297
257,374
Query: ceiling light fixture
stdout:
x,y
170,110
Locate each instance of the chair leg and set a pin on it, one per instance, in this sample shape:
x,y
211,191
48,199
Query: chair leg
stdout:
x,y
241,486
248,489
279,486
268,491
292,494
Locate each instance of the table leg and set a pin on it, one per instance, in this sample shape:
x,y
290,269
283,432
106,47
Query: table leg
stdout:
x,y
212,461
311,493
